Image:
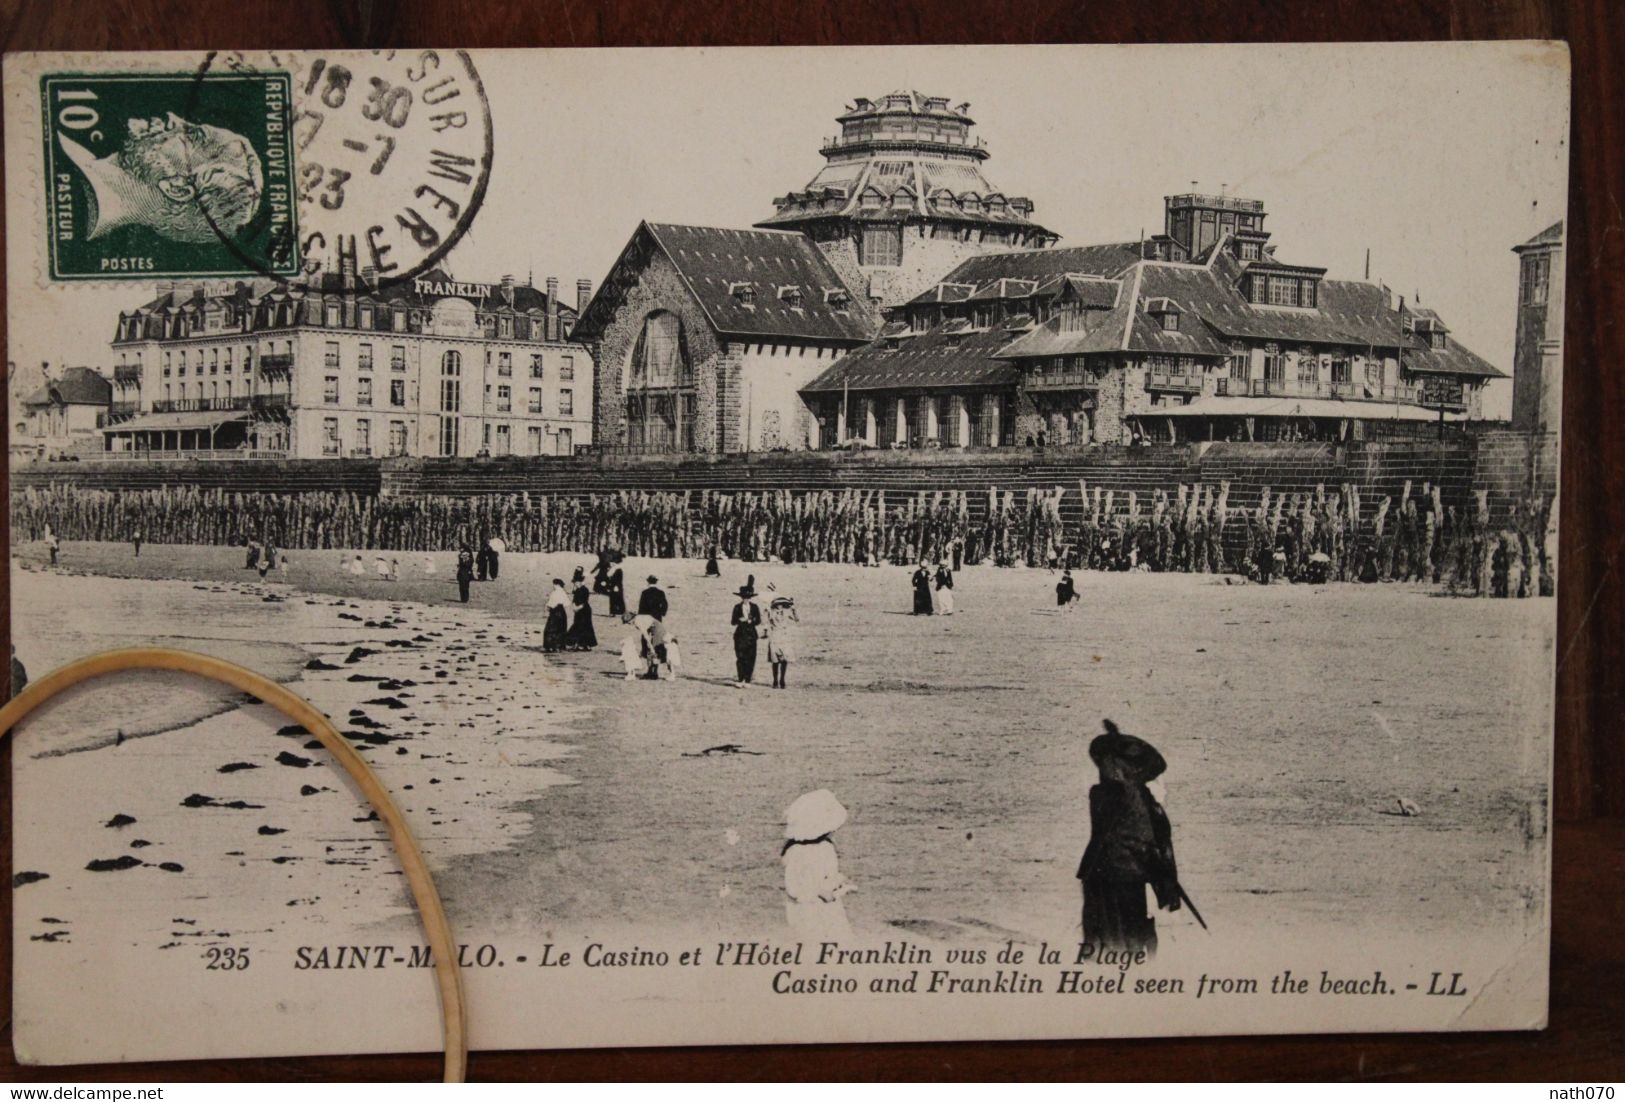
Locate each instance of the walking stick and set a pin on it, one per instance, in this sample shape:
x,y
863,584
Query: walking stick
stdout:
x,y
1190,904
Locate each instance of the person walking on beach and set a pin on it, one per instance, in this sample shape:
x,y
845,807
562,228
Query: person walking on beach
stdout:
x,y
783,627
945,590
267,559
615,586
652,601
581,635
813,883
712,570
135,538
53,545
557,626
922,591
494,548
1130,846
1065,591
747,624
465,572
251,558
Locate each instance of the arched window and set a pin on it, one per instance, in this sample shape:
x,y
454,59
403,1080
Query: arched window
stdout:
x,y
451,363
660,398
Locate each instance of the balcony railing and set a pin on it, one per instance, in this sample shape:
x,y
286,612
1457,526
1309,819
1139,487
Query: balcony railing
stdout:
x,y
1062,380
144,455
1173,380
125,409
205,405
278,361
1405,393
127,373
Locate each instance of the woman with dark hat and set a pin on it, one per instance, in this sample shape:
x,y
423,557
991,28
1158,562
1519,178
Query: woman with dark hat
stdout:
x,y
1130,846
615,586
581,635
557,626
747,622
922,591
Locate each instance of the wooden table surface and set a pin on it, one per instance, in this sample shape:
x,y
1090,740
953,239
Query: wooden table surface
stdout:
x,y
1586,1038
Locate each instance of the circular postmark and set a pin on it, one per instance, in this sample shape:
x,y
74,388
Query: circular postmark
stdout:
x,y
392,156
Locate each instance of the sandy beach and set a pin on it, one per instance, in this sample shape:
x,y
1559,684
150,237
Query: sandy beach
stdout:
x,y
1293,720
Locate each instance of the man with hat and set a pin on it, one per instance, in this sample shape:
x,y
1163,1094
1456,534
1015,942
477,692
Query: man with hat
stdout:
x,y
747,622
652,603
1130,846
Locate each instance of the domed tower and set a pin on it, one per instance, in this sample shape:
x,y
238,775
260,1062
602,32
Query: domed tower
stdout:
x,y
902,198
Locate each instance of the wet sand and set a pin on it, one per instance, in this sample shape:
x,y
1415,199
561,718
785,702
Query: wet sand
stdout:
x,y
1294,718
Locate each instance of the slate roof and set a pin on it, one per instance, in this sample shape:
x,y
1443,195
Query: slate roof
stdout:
x,y
78,386
714,262
932,360
1212,313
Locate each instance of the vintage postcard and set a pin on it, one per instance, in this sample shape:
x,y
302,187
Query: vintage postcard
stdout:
x,y
825,545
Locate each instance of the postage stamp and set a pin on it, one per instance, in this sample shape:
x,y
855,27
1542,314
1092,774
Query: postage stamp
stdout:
x,y
169,174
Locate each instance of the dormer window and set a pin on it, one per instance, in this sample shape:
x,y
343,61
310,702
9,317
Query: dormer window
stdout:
x,y
1165,313
743,293
837,297
1436,339
790,295
1249,250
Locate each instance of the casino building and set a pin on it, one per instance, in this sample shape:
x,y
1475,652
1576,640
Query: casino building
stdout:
x,y
336,366
1199,333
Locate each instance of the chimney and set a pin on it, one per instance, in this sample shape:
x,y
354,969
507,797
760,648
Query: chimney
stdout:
x,y
583,295
552,308
507,289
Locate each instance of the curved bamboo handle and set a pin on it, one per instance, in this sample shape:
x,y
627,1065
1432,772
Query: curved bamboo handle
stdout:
x,y
453,1019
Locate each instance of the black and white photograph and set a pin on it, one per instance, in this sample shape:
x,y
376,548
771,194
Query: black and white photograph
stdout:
x,y
881,544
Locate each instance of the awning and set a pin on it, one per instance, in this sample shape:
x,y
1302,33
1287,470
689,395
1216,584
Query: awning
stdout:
x,y
1229,406
169,422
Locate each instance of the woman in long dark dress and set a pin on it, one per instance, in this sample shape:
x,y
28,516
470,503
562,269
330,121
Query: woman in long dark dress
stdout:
x,y
581,636
922,591
557,626
1130,846
615,586
747,621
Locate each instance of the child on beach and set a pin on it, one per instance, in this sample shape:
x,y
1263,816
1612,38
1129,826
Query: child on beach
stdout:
x,y
783,626
394,570
812,875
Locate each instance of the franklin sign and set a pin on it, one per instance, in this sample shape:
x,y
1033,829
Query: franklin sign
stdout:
x,y
440,288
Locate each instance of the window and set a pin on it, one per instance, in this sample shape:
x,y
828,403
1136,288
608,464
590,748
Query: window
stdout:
x,y
1249,250
1373,373
167,365
1306,292
332,315
1534,279
331,356
535,404
504,441
228,390
1436,339
363,436
567,403
881,246
535,365
228,360
182,371
330,436
566,442
363,392
451,363
1308,367
214,391
533,440
505,327
504,363
567,369
1257,290
366,317
214,361
1283,291
397,392
330,389
1274,364
450,435
397,438
398,321
451,396
504,399
1240,360
1340,369
1170,321
363,358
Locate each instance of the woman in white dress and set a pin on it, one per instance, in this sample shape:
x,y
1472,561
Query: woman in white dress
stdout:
x,y
783,628
812,874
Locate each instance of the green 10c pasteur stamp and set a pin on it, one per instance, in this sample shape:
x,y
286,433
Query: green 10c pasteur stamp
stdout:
x,y
169,174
